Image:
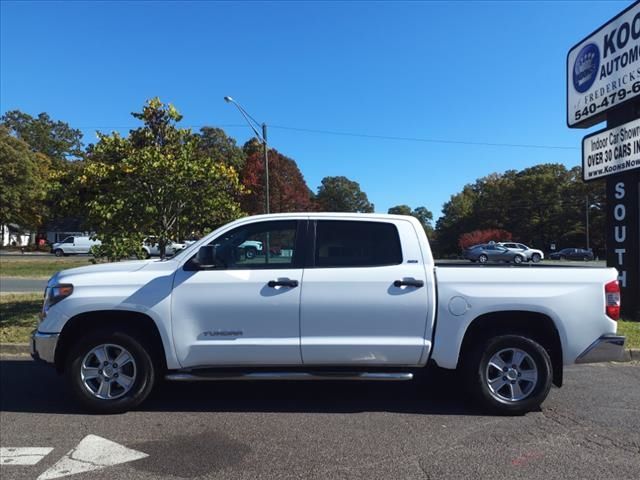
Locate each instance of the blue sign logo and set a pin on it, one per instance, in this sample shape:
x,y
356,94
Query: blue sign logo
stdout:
x,y
585,69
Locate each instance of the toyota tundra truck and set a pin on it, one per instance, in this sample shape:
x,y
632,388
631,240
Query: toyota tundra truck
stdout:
x,y
355,297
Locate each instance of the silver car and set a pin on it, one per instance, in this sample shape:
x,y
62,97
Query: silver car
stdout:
x,y
492,252
532,254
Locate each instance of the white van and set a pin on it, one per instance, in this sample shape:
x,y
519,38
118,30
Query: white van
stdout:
x,y
73,245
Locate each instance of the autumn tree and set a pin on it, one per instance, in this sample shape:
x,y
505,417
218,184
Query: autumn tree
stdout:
x,y
155,182
24,182
288,191
484,236
339,194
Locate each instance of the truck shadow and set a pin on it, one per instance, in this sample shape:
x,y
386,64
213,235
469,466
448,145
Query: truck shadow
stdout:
x,y
28,387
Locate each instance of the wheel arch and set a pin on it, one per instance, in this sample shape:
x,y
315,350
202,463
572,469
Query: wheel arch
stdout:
x,y
538,326
137,324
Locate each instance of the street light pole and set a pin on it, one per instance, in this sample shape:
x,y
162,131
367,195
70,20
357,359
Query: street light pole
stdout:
x,y
262,138
587,205
587,208
266,168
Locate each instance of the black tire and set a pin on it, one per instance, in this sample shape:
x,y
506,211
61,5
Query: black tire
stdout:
x,y
250,253
518,259
483,258
146,255
478,372
535,258
144,378
58,252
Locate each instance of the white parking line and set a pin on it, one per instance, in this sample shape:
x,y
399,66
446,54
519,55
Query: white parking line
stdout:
x,y
92,453
23,456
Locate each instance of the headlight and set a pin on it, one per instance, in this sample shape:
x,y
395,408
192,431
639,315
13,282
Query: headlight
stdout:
x,y
53,295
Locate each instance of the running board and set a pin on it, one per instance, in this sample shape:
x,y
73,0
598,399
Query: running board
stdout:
x,y
379,376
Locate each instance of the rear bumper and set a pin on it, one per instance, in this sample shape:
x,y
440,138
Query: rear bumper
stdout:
x,y
43,346
607,348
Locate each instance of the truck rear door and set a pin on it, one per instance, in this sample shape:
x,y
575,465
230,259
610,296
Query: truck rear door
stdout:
x,y
364,296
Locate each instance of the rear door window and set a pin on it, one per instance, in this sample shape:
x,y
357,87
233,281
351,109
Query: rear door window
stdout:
x,y
356,244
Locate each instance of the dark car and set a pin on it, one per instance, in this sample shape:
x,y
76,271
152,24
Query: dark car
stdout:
x,y
572,254
492,252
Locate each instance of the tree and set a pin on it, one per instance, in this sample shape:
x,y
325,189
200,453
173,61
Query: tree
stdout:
x,y
423,214
339,194
156,182
400,210
24,182
483,236
540,205
55,139
288,191
214,142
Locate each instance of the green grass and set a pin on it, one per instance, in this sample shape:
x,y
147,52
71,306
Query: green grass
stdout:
x,y
18,316
631,330
38,267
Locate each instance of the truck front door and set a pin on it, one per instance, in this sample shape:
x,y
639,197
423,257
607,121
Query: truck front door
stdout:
x,y
246,311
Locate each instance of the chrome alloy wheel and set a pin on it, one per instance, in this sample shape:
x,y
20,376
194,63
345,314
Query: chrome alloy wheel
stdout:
x,y
108,371
511,375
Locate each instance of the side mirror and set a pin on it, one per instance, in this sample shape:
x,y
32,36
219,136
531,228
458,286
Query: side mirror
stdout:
x,y
206,257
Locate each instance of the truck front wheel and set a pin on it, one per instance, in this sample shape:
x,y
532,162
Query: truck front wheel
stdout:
x,y
110,372
510,374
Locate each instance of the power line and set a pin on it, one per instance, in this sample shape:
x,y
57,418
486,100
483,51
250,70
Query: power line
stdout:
x,y
425,140
363,135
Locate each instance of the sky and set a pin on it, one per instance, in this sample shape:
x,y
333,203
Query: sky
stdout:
x,y
452,76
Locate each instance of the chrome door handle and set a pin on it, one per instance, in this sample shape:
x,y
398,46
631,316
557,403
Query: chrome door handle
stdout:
x,y
409,282
283,282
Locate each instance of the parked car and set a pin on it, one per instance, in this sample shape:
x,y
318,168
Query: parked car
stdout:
x,y
371,305
151,247
73,245
572,254
492,252
530,254
251,248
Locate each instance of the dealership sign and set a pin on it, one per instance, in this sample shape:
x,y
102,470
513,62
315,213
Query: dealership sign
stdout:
x,y
603,70
615,150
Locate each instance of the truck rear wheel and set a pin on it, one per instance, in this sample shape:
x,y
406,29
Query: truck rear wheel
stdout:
x,y
110,372
509,374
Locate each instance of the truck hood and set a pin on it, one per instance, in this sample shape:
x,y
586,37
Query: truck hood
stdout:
x,y
116,267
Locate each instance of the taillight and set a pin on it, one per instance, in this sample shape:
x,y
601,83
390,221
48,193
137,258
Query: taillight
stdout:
x,y
612,296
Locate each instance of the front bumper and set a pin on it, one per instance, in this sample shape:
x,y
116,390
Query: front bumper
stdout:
x,y
608,348
43,346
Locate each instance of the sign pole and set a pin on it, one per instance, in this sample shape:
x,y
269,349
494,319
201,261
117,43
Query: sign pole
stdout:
x,y
623,222
603,83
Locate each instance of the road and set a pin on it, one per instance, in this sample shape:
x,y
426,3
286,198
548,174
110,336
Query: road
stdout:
x,y
22,285
588,429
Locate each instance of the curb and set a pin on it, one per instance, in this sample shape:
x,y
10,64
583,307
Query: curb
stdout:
x,y
15,349
630,354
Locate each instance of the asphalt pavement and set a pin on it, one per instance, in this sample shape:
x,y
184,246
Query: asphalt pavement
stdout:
x,y
246,430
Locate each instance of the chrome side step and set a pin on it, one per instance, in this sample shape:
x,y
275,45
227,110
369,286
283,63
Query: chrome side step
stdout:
x,y
379,376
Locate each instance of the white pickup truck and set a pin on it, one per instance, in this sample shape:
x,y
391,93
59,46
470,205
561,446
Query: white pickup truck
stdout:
x,y
358,298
